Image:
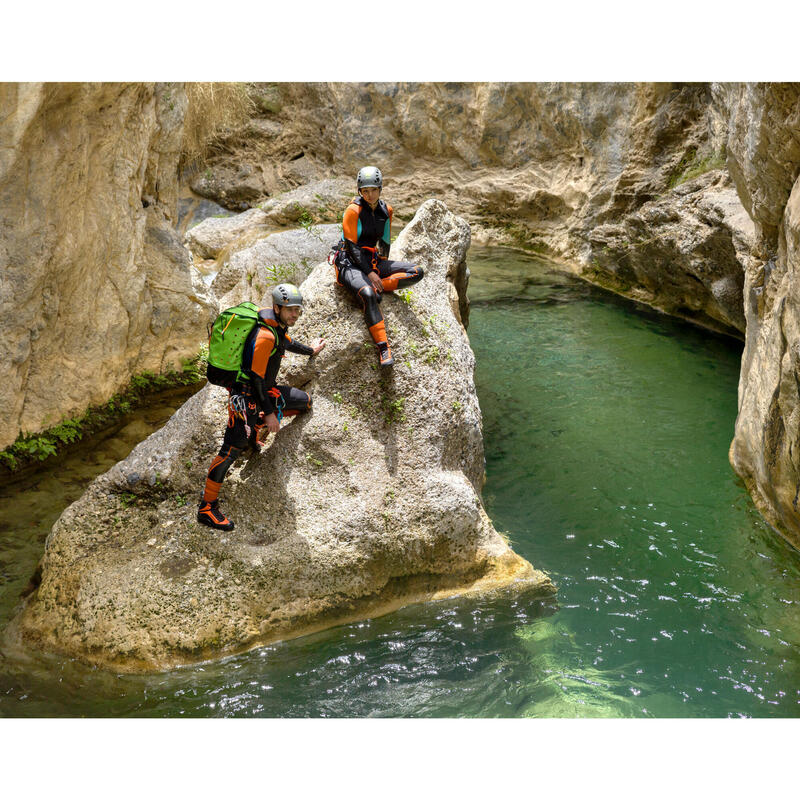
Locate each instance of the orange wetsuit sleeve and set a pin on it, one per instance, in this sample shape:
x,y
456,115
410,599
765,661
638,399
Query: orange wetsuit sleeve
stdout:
x,y
262,349
350,224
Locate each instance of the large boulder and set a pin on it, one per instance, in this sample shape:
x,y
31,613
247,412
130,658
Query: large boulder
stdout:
x,y
322,200
208,238
252,270
95,285
369,502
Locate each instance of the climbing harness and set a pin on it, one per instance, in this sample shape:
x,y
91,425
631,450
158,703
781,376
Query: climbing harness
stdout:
x,y
237,407
279,402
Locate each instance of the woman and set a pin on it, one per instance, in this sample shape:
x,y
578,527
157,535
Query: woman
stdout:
x,y
361,260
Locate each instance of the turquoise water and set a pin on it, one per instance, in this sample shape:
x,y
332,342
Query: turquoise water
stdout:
x,y
607,429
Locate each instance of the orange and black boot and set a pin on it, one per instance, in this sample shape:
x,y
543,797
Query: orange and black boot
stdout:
x,y
208,513
378,333
385,354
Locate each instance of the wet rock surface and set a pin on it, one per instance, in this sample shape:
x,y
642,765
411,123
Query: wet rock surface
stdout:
x,y
685,253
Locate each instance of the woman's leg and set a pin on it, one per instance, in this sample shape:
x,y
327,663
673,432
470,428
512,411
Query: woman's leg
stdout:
x,y
398,274
358,283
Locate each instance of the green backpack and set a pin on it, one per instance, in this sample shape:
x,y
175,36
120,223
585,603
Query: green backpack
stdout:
x,y
226,342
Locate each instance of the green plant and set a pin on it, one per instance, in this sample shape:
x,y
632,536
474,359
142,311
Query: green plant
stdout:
x,y
280,272
457,406
432,355
45,444
313,461
127,499
67,432
306,221
407,296
694,164
394,410
337,398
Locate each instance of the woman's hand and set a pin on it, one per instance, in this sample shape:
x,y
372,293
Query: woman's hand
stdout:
x,y
376,282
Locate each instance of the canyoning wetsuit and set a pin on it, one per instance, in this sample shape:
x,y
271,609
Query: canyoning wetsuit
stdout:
x,y
366,238
258,396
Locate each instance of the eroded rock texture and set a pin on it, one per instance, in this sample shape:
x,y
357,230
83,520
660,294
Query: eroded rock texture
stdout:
x,y
94,282
764,159
369,502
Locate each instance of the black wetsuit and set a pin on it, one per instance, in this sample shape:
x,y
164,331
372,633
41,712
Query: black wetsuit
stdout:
x,y
366,239
252,400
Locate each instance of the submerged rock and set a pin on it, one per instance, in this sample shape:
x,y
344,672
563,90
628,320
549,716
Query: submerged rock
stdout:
x,y
370,502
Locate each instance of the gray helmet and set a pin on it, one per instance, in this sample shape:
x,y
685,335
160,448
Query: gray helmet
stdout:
x,y
287,294
369,176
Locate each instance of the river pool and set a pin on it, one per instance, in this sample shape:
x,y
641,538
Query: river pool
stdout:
x,y
607,428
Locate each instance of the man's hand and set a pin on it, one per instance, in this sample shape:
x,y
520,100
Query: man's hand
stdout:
x,y
317,345
271,423
376,282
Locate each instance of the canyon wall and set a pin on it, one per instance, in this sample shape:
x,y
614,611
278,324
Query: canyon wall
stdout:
x,y
682,196
94,281
764,160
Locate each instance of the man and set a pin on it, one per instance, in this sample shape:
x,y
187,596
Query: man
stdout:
x,y
362,258
257,402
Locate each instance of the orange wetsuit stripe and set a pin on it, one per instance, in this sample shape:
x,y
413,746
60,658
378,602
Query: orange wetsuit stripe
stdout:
x,y
262,350
211,492
378,332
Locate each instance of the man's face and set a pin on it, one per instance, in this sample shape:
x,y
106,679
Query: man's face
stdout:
x,y
288,315
371,194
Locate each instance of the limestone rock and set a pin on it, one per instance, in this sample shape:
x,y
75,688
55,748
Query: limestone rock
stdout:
x,y
368,503
685,253
252,272
209,237
95,286
321,200
764,146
